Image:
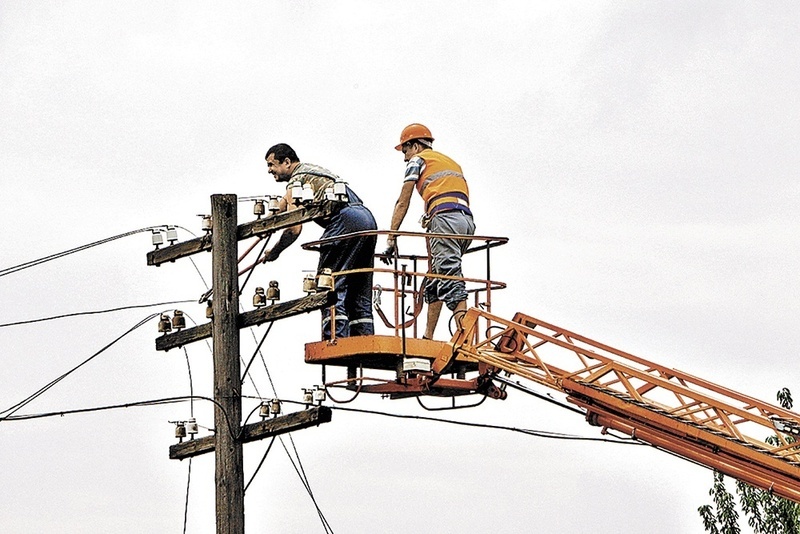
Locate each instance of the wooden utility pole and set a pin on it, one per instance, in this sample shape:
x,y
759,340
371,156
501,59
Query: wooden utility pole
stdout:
x,y
229,474
224,328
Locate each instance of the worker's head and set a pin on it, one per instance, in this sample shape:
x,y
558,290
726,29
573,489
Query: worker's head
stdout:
x,y
414,139
281,161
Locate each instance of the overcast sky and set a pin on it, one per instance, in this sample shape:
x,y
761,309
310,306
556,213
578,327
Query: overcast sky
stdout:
x,y
641,157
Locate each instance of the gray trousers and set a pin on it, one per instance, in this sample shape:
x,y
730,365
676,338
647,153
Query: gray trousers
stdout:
x,y
446,257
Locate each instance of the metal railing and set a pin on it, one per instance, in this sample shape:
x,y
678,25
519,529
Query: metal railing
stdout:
x,y
408,271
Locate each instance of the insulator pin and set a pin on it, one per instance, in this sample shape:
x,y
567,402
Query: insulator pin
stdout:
x,y
158,238
172,234
274,205
191,427
275,406
206,223
309,284
325,280
259,208
297,192
273,291
164,325
178,320
260,298
308,194
340,190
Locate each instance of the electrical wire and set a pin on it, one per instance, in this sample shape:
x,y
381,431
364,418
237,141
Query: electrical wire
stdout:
x,y
258,351
152,402
535,433
5,414
186,505
191,383
95,312
258,260
301,473
51,257
253,476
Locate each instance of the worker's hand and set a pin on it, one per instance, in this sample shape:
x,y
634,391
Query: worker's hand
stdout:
x,y
390,252
270,256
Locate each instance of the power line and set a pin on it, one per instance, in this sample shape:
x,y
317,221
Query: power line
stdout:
x,y
253,476
13,409
51,257
95,312
186,504
535,433
301,473
134,404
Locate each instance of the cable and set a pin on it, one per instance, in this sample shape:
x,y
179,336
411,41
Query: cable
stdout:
x,y
304,480
258,260
257,351
536,433
153,402
191,383
186,504
33,263
10,411
94,312
260,463
453,407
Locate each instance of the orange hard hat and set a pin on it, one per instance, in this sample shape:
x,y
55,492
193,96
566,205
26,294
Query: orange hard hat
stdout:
x,y
414,131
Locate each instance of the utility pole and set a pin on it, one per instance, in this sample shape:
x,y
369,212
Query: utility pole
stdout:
x,y
224,328
229,474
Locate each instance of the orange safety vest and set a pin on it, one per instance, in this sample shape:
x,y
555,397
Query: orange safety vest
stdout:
x,y
442,184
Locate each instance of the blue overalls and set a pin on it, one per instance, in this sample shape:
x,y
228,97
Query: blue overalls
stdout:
x,y
353,315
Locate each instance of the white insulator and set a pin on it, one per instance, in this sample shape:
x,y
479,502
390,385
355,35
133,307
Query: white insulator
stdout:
x,y
206,223
340,190
172,234
297,192
158,238
308,193
191,426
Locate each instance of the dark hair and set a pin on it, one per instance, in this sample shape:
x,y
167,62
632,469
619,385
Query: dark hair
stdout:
x,y
282,151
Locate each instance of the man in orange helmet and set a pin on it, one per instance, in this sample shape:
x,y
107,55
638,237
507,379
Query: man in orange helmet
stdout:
x,y
441,184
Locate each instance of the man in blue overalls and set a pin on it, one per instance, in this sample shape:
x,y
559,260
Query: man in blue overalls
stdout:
x,y
353,315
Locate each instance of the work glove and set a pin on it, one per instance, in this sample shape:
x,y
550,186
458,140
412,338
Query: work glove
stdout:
x,y
389,253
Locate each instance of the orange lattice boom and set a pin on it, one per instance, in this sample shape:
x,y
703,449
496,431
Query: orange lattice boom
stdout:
x,y
687,415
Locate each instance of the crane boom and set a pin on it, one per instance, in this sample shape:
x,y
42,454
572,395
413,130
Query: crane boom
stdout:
x,y
670,409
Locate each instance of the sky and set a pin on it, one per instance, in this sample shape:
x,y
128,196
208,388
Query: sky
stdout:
x,y
641,157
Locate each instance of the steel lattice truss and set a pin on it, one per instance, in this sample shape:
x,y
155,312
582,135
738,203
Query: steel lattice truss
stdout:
x,y
736,434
